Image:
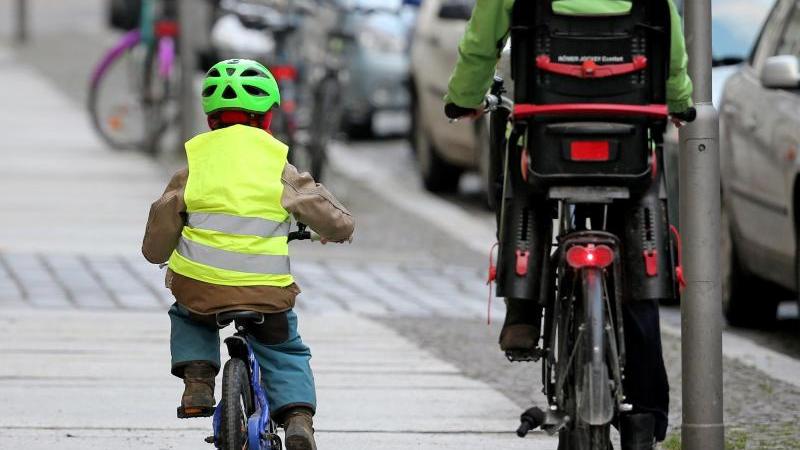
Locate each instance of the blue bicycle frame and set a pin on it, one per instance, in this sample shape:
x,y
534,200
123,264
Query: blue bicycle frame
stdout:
x,y
258,424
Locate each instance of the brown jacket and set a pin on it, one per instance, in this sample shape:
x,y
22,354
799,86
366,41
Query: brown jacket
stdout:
x,y
309,202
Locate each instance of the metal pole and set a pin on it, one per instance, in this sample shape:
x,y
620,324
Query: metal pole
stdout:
x,y
22,21
701,309
190,23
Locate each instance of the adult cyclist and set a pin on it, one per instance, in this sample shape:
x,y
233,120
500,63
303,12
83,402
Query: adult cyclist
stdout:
x,y
646,385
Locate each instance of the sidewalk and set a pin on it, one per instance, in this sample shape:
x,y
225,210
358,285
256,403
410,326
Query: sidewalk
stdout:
x,y
82,375
98,380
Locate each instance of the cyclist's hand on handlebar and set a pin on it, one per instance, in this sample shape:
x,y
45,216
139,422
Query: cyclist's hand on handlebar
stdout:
x,y
455,112
680,118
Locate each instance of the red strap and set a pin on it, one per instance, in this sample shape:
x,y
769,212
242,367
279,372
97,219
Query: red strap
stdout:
x,y
654,164
590,69
679,266
524,163
492,278
522,111
651,262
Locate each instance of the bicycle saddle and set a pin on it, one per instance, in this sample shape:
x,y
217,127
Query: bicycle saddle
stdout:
x,y
225,318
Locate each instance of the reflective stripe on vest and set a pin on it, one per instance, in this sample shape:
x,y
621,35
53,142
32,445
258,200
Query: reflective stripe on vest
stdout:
x,y
236,232
239,262
226,223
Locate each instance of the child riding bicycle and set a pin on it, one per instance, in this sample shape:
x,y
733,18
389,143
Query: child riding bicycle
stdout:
x,y
488,29
222,225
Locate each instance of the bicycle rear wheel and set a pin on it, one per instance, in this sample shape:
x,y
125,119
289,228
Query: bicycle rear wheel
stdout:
x,y
114,100
588,388
237,405
159,96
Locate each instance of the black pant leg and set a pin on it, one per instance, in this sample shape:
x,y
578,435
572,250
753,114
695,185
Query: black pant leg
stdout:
x,y
646,385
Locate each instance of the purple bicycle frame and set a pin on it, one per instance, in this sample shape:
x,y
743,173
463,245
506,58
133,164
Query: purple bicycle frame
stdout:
x,y
166,55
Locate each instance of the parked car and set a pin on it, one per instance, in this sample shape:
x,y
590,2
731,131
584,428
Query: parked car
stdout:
x,y
444,150
376,100
735,25
759,139
374,62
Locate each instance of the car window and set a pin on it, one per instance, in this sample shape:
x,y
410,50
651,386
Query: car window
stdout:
x,y
735,25
772,28
789,43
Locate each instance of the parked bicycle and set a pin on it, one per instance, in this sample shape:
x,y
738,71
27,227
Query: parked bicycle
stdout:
x,y
133,93
266,32
242,418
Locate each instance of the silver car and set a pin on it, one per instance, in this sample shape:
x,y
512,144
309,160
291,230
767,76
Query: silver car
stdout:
x,y
759,138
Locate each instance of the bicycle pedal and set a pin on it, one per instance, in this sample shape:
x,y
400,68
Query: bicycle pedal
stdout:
x,y
524,355
194,412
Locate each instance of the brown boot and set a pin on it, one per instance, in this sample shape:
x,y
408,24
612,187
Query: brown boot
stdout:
x,y
520,331
198,395
299,427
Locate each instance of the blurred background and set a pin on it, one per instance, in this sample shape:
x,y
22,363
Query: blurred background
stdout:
x,y
98,96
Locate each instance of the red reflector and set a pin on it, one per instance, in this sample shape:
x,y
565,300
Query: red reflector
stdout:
x,y
579,256
589,151
284,72
166,28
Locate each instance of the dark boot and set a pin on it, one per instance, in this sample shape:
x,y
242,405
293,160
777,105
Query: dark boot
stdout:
x,y
198,394
637,431
520,331
299,427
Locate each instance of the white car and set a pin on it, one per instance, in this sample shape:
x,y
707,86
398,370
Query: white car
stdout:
x,y
444,150
759,142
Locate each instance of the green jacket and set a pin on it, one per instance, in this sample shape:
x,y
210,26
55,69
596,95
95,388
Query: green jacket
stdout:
x,y
478,51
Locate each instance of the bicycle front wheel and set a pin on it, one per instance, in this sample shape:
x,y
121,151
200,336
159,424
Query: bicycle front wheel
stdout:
x,y
237,405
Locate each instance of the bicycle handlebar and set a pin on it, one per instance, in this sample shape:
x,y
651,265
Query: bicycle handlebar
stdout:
x,y
490,103
686,116
302,234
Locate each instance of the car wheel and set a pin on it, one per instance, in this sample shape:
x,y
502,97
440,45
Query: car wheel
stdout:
x,y
747,301
359,130
437,174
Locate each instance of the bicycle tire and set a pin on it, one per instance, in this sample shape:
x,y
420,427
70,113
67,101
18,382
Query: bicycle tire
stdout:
x,y
114,57
237,405
582,436
158,94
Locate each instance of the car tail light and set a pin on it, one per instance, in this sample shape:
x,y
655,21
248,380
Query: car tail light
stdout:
x,y
579,256
589,151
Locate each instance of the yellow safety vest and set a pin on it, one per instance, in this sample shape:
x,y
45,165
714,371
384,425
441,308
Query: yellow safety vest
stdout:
x,y
236,230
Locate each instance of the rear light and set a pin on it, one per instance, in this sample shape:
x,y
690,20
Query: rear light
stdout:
x,y
282,73
166,28
600,256
589,151
288,106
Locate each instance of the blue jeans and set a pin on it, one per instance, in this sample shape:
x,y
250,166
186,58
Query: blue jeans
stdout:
x,y
283,357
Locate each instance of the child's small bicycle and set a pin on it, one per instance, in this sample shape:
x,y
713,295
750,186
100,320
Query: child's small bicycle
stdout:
x,y
242,418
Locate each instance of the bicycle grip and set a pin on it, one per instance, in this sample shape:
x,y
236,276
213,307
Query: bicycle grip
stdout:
x,y
687,116
453,111
524,428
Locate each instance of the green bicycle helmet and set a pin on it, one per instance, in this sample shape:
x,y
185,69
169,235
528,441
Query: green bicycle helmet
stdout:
x,y
240,84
